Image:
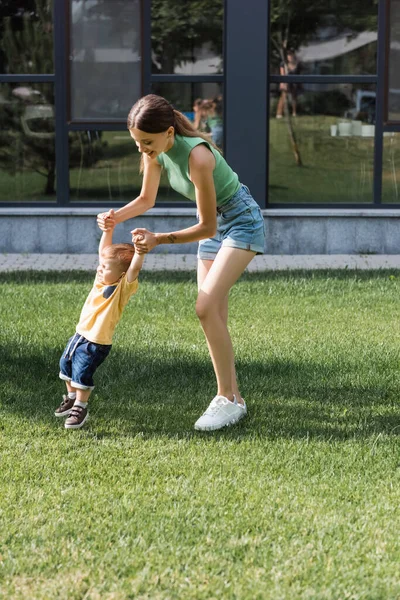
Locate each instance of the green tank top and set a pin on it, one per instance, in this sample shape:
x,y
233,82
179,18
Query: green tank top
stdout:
x,y
176,164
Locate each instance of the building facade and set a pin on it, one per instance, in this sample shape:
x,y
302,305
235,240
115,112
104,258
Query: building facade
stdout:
x,y
303,98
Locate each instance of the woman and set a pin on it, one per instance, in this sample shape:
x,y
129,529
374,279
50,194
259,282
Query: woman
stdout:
x,y
230,230
292,67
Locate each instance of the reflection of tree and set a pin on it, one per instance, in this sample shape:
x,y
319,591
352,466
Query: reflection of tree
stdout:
x,y
295,22
27,47
27,113
180,27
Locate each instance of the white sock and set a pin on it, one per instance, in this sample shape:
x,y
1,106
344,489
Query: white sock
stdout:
x,y
82,404
72,395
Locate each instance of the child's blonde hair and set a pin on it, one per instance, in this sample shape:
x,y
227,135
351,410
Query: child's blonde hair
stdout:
x,y
121,252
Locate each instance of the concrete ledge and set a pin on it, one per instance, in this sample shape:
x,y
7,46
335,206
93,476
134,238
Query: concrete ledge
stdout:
x,y
332,212
53,211
76,211
73,230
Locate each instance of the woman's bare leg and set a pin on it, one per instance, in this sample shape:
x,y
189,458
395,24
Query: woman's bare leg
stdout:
x,y
202,271
281,104
211,307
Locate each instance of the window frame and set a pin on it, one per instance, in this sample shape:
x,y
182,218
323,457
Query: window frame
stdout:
x,y
245,75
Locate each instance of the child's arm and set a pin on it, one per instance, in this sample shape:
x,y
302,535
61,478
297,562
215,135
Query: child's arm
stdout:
x,y
107,236
136,263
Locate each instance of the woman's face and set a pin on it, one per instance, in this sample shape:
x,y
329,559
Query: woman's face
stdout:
x,y
153,144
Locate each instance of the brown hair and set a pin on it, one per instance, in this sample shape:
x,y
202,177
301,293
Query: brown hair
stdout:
x,y
121,252
154,114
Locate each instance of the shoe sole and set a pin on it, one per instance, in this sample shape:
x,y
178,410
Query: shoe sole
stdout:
x,y
215,427
76,426
63,414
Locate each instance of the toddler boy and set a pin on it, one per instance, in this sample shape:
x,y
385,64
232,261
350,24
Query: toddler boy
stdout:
x,y
115,282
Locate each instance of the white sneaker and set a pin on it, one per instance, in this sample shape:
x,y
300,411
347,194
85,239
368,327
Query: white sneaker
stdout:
x,y
220,413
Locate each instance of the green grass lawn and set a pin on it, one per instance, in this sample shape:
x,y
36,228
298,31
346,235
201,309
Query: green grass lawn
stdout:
x,y
299,501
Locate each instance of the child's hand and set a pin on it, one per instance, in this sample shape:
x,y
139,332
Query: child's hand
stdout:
x,y
137,238
106,221
148,241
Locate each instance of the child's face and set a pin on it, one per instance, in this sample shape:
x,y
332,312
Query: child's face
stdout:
x,y
109,270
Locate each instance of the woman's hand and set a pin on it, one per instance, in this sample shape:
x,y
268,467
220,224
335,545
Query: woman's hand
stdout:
x,y
106,221
144,240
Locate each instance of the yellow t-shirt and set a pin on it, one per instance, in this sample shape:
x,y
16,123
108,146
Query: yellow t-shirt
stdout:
x,y
103,309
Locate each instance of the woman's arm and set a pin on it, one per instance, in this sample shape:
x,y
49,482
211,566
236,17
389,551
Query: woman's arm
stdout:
x,y
201,166
146,199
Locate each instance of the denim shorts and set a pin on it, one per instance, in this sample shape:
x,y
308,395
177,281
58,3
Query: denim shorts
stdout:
x,y
80,360
240,224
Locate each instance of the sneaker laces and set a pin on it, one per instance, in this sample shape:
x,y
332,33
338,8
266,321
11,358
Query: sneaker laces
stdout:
x,y
215,405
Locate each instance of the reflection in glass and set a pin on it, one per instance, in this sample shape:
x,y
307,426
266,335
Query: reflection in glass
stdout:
x,y
105,58
190,42
104,166
202,103
327,38
394,62
325,153
26,37
27,142
391,168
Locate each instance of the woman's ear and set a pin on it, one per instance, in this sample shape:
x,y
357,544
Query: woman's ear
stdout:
x,y
170,131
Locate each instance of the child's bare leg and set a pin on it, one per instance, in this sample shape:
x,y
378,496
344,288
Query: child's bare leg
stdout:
x,y
82,395
70,388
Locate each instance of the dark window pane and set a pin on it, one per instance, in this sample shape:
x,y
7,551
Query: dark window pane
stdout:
x,y
391,168
104,166
26,37
105,58
202,99
27,146
325,153
328,37
394,62
187,36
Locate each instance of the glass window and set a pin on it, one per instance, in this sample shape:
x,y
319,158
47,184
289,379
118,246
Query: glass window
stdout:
x,y
104,166
202,103
187,36
27,146
327,38
394,62
321,143
105,58
391,168
26,37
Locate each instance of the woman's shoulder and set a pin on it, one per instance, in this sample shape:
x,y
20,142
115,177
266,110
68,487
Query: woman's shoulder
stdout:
x,y
190,141
201,157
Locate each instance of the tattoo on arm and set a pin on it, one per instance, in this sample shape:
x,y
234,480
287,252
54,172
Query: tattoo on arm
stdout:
x,y
171,238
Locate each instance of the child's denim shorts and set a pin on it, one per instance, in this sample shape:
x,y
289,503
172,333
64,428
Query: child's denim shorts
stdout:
x,y
240,224
80,360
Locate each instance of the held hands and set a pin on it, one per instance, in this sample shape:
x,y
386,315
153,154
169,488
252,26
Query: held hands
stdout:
x,y
106,221
135,239
144,240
